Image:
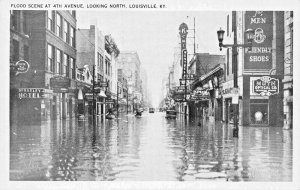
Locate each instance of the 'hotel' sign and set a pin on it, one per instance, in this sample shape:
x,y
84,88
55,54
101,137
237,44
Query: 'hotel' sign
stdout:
x,y
31,93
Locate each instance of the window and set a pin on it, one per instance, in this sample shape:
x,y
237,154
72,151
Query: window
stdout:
x,y
292,39
25,25
58,62
74,14
101,63
106,66
58,25
66,32
14,17
66,65
72,65
50,65
72,38
51,20
26,53
15,53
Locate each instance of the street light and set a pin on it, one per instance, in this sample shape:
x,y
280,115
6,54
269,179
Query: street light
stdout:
x,y
250,36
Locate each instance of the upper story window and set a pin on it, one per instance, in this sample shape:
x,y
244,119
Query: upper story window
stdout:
x,y
50,62
50,20
25,24
66,32
58,25
101,63
74,14
58,61
72,37
15,51
66,65
14,19
26,53
106,66
72,65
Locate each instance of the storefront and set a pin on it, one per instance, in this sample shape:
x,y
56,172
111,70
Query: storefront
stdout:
x,y
33,104
262,101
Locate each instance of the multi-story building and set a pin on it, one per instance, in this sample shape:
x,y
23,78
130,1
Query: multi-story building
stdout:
x,y
111,70
19,50
49,37
122,93
260,69
288,70
91,52
130,63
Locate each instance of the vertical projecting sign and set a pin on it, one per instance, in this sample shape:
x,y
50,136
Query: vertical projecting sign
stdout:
x,y
260,57
183,31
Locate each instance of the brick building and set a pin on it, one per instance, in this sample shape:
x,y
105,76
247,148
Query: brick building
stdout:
x,y
52,55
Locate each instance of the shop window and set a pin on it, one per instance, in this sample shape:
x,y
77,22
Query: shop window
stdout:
x,y
259,112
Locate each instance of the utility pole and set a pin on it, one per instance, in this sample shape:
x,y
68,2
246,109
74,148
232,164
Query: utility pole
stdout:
x,y
127,100
235,75
194,37
118,98
93,91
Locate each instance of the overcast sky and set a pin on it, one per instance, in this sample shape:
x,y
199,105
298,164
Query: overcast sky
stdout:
x,y
154,35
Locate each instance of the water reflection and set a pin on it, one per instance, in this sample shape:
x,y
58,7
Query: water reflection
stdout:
x,y
148,148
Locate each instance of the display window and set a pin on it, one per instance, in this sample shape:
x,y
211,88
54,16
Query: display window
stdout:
x,y
259,112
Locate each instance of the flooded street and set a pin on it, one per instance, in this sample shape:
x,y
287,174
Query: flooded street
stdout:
x,y
149,148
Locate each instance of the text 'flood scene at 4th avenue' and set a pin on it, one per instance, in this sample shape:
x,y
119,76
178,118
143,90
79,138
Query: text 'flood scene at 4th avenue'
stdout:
x,y
151,96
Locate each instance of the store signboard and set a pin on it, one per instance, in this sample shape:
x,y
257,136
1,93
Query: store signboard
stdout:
x,y
60,82
260,56
264,86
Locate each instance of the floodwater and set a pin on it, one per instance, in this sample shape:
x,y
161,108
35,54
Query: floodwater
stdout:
x,y
149,148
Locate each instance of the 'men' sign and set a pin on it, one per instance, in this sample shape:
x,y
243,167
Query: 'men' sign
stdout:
x,y
260,57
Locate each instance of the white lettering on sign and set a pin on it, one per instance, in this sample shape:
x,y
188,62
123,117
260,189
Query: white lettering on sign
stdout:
x,y
258,20
259,58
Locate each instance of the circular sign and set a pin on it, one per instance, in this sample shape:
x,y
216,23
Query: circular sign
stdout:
x,y
22,66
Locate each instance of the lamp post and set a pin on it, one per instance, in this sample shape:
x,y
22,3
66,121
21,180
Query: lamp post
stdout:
x,y
250,36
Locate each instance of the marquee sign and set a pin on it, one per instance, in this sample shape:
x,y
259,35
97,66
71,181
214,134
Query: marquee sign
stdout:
x,y
260,57
264,86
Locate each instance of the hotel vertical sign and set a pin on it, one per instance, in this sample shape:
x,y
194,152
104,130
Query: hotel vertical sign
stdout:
x,y
260,57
